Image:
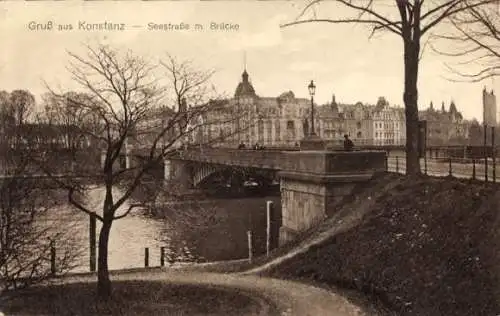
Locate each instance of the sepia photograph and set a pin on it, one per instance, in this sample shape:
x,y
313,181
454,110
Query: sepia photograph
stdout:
x,y
250,158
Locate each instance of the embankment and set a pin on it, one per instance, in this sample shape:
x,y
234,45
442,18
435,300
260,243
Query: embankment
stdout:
x,y
427,246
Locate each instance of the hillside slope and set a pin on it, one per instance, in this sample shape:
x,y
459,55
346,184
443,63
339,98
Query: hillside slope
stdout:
x,y
352,211
424,247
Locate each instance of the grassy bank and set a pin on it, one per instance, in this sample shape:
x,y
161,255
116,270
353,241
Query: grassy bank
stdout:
x,y
133,298
428,247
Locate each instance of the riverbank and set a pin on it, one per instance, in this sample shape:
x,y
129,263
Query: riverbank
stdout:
x,y
411,246
215,229
417,246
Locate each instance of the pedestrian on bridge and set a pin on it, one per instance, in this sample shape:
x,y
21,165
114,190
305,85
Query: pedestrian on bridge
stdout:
x,y
348,144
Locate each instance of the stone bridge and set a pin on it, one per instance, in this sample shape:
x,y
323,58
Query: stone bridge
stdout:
x,y
312,183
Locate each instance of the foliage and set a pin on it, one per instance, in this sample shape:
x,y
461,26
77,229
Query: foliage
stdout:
x,y
26,206
473,43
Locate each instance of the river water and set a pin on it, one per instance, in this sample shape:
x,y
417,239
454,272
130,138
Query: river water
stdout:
x,y
190,231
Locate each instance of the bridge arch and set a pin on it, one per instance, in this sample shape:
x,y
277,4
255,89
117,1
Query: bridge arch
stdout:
x,y
233,175
203,172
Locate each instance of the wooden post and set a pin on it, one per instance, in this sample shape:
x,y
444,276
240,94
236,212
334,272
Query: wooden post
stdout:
x,y
146,257
473,169
250,247
92,242
269,227
450,173
162,256
425,162
493,152
485,156
52,258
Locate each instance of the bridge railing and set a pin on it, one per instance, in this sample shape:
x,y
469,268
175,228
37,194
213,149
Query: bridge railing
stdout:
x,y
464,168
267,159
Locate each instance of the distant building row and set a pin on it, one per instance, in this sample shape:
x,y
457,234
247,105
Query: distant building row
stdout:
x,y
284,120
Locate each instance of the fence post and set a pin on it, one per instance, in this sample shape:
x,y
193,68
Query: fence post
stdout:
x,y
162,256
250,246
273,227
92,242
449,167
146,257
269,210
485,155
425,162
52,258
473,169
493,153
397,164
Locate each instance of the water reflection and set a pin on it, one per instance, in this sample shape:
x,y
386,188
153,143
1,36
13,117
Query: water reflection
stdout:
x,y
214,230
189,231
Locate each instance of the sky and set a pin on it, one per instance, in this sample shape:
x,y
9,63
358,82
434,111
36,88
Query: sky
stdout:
x,y
341,59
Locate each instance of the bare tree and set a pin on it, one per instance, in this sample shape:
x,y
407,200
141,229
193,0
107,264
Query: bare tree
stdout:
x,y
25,204
22,104
25,241
132,112
70,123
474,42
411,20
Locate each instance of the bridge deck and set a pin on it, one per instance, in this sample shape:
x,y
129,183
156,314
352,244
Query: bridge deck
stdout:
x,y
263,159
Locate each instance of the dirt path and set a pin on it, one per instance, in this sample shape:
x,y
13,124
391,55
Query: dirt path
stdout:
x,y
290,298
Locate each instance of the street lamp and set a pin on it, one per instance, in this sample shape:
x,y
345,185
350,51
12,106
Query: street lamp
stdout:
x,y
312,90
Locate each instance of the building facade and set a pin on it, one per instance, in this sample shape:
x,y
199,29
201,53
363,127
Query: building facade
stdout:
x,y
284,120
445,127
266,121
389,124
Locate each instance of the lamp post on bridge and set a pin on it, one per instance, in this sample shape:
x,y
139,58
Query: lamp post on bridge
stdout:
x,y
312,91
312,141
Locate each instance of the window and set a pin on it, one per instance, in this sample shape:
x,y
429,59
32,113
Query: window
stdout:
x,y
269,132
261,131
278,130
358,125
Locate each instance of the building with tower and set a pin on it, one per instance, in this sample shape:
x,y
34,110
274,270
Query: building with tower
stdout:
x,y
284,120
445,127
267,121
489,108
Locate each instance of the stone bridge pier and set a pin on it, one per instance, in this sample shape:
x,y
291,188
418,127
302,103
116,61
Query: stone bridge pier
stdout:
x,y
313,183
179,173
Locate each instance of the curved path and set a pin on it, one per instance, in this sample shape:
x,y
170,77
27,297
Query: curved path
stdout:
x,y
290,298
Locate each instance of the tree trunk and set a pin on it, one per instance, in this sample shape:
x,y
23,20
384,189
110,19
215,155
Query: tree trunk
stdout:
x,y
410,97
103,281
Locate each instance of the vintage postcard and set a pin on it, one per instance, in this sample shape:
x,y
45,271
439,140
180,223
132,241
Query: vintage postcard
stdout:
x,y
299,158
